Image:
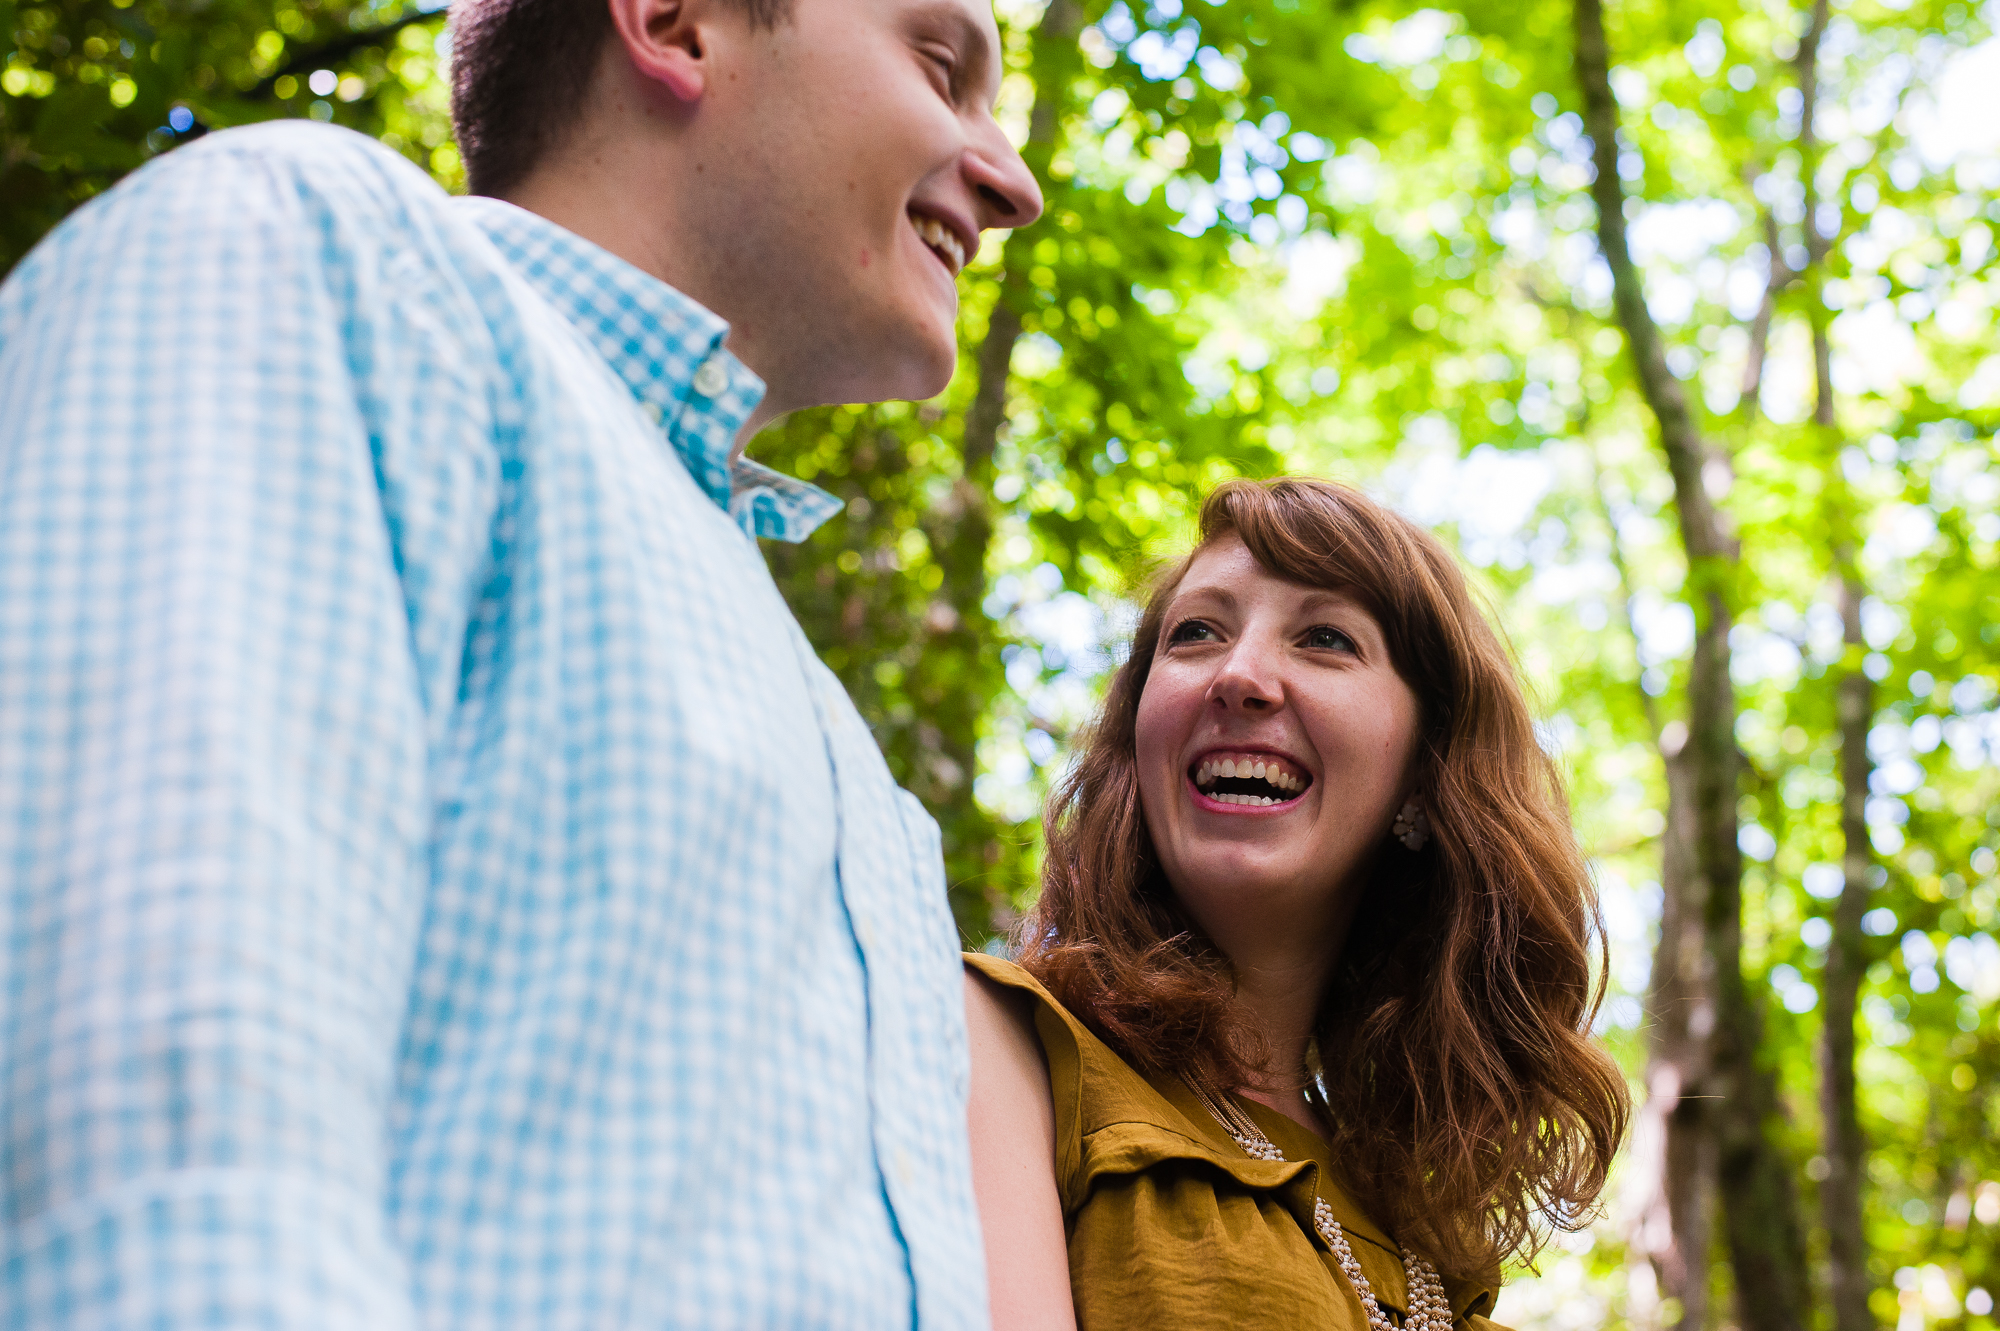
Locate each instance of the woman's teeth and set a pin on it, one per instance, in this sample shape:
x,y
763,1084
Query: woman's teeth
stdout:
x,y
1252,769
1258,782
942,239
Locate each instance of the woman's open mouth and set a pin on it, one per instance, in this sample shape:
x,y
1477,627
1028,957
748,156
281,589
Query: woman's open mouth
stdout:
x,y
1253,780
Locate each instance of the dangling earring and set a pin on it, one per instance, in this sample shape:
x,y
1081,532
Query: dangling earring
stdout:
x,y
1411,827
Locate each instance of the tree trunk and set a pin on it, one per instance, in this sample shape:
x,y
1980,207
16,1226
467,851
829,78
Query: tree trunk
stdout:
x,y
1672,1160
1760,1208
1673,1147
1683,1017
1845,1148
961,530
961,534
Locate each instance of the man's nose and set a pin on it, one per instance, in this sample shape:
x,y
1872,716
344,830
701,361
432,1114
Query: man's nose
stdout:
x,y
1005,190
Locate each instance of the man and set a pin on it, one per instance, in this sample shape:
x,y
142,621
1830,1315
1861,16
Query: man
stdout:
x,y
441,888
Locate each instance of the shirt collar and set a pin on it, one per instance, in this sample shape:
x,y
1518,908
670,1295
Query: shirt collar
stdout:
x,y
668,350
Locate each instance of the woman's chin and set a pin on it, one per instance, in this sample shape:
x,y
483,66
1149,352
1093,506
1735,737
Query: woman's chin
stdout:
x,y
1269,881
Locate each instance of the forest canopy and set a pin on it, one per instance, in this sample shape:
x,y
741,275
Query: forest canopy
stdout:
x,y
1675,316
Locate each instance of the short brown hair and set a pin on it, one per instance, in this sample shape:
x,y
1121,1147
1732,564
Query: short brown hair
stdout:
x,y
521,72
1454,1037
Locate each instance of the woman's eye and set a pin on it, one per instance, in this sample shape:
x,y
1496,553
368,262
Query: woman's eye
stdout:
x,y
1191,630
1328,639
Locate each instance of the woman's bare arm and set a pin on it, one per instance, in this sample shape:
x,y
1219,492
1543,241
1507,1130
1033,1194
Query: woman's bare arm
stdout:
x,y
1013,1123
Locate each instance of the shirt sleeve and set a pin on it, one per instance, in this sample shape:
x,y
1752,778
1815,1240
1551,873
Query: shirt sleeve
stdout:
x,y
219,664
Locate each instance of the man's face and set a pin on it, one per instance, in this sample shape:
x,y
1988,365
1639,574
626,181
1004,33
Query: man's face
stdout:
x,y
853,160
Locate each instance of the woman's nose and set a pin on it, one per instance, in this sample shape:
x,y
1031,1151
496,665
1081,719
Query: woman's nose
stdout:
x,y
1248,680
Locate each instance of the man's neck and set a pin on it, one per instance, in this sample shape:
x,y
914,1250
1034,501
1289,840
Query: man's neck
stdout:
x,y
574,193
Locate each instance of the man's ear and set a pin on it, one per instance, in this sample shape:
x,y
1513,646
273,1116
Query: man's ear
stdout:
x,y
663,43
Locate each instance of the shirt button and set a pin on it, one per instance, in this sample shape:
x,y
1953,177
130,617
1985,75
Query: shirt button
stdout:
x,y
866,933
711,380
900,1162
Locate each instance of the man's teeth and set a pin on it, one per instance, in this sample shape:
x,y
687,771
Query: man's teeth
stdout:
x,y
1254,768
940,238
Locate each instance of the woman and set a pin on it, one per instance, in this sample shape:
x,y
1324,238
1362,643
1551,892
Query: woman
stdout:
x,y
1298,1033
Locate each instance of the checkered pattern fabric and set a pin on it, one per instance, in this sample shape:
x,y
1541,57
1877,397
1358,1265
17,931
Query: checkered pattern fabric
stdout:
x,y
439,887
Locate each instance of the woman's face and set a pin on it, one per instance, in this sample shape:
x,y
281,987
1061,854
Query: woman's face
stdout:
x,y
1274,744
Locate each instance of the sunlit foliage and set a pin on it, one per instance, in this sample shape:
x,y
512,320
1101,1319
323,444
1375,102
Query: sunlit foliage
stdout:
x,y
1358,239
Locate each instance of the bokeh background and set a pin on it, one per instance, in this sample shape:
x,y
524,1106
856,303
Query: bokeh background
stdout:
x,y
1726,470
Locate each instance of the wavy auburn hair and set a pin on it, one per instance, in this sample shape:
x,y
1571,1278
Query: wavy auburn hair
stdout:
x,y
1467,1100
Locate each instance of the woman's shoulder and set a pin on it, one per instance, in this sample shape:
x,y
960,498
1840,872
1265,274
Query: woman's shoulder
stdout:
x,y
1074,1052
1064,1037
1007,973
1110,1117
1095,1090
1068,1041
1011,975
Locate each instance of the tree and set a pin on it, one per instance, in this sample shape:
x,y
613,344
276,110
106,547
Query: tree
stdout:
x,y
1766,1244
1846,1148
93,88
1370,240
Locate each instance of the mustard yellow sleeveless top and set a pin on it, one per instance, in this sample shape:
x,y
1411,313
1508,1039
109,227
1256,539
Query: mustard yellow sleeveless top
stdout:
x,y
1172,1226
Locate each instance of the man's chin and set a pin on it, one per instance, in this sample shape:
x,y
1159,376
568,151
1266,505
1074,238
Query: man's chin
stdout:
x,y
935,379
894,352
921,370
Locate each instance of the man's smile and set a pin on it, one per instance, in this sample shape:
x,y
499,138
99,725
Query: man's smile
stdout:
x,y
941,239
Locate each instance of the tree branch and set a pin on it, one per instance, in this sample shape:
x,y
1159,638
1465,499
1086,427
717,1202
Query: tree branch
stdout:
x,y
331,52
1647,703
1806,62
1780,277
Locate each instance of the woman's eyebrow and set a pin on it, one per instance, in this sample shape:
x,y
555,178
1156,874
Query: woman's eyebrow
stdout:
x,y
1318,600
1321,601
1221,595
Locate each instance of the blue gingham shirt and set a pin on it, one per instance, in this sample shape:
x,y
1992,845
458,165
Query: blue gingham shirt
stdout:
x,y
439,886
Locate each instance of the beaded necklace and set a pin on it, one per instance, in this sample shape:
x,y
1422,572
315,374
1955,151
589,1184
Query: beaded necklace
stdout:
x,y
1429,1310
